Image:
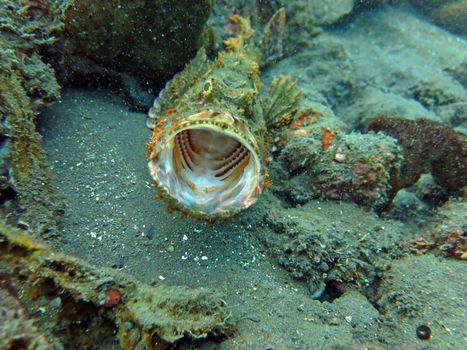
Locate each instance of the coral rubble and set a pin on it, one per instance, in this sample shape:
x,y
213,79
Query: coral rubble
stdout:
x,y
67,301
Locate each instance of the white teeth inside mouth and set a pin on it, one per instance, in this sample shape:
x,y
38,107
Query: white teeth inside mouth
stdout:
x,y
208,170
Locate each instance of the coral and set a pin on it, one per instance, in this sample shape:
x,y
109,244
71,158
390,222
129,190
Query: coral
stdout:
x,y
26,85
65,295
428,147
336,164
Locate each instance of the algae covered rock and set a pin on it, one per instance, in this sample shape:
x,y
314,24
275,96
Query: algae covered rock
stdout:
x,y
335,164
147,39
27,84
16,329
451,14
332,246
446,233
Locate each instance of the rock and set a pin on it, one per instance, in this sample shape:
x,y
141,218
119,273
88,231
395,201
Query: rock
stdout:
x,y
338,165
451,14
316,249
329,11
146,39
27,84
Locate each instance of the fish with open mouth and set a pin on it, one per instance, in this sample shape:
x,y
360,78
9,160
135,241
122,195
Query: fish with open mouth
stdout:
x,y
208,153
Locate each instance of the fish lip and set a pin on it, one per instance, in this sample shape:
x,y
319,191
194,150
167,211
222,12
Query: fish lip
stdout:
x,y
228,127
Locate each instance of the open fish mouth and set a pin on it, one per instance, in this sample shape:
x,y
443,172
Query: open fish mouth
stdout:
x,y
208,168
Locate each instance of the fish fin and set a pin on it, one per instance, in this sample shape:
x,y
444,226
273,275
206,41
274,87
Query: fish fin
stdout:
x,y
282,101
176,87
272,43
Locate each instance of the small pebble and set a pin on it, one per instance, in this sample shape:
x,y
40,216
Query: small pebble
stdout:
x,y
424,332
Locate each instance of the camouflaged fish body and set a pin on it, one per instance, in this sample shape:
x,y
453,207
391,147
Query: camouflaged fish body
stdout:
x,y
207,153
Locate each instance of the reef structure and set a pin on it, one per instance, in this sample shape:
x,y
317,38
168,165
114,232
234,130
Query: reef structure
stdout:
x,y
207,154
148,40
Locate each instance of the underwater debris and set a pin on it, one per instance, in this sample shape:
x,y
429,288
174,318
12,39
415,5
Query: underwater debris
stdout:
x,y
423,332
207,154
63,299
27,84
428,147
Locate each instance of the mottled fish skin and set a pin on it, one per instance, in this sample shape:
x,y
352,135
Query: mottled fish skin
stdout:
x,y
207,154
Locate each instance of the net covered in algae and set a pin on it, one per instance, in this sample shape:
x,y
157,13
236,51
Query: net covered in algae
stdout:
x,y
70,302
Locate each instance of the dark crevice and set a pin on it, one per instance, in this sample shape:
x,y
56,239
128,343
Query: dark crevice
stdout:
x,y
332,291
